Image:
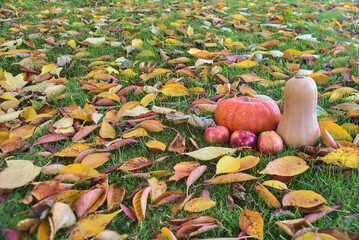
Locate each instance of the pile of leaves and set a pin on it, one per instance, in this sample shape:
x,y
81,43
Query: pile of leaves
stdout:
x,y
103,106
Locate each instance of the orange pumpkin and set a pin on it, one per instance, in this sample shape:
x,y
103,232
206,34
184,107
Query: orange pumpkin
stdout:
x,y
245,113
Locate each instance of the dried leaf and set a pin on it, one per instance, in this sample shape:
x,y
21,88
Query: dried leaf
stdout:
x,y
73,150
337,132
195,174
138,132
290,227
62,216
178,144
107,130
315,235
139,203
275,184
229,178
18,173
346,157
267,196
286,166
210,153
228,164
96,159
199,204
80,170
115,196
91,225
135,163
303,198
251,223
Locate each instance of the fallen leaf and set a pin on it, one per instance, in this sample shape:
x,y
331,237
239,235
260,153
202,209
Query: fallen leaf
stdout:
x,y
135,163
18,173
90,225
286,166
138,132
345,157
210,153
337,132
303,198
199,204
139,203
62,216
290,227
178,144
251,223
267,196
107,130
275,184
195,174
229,178
73,150
228,164
80,170
316,236
96,159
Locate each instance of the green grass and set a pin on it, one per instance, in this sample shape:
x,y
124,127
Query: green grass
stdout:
x,y
335,188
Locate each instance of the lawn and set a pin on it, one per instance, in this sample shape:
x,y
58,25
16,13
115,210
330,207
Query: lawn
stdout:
x,y
85,61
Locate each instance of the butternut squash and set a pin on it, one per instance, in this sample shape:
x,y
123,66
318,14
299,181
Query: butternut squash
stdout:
x,y
299,125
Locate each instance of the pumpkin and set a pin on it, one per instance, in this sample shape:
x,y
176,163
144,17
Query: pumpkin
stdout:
x,y
299,125
245,113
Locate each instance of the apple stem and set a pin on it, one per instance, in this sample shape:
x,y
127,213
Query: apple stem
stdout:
x,y
246,99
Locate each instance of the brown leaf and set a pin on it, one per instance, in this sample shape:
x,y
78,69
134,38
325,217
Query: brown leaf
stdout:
x,y
195,174
48,188
167,197
312,217
49,138
135,163
178,144
340,234
290,227
115,196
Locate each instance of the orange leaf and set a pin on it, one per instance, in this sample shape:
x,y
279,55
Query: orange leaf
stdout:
x,y
139,203
174,90
286,166
267,196
151,126
115,196
96,159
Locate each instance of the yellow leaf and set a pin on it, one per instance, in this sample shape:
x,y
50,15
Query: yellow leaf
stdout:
x,y
13,83
286,166
90,225
4,136
315,236
351,128
346,157
128,73
80,170
210,153
18,173
155,146
43,232
238,16
319,78
340,92
228,164
139,132
71,43
303,198
229,178
137,43
190,32
275,184
174,90
72,150
107,130
251,223
228,43
238,44
336,131
48,68
199,204
148,99
172,41
83,54
246,64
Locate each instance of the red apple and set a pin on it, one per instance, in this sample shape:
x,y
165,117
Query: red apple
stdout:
x,y
241,138
216,135
270,142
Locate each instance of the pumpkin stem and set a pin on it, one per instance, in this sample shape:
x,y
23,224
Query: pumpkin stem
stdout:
x,y
246,99
299,75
